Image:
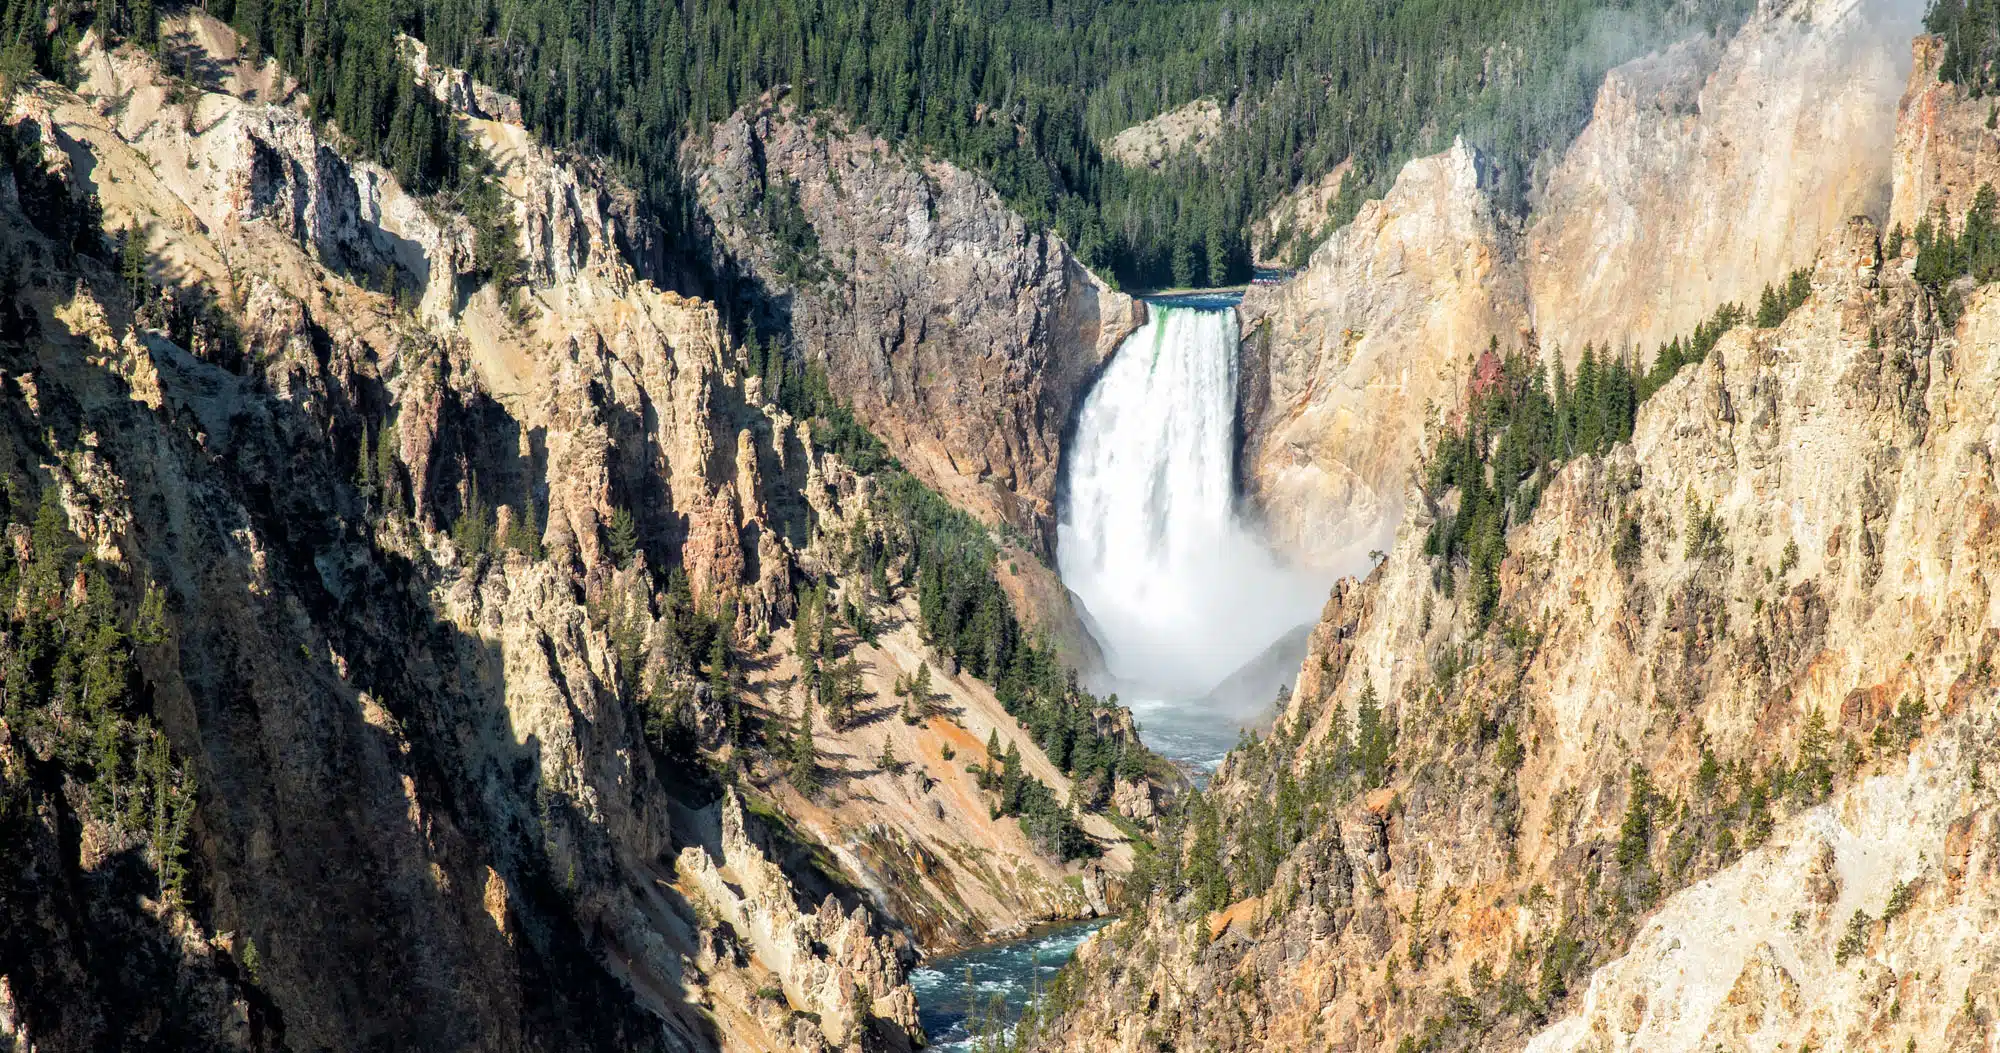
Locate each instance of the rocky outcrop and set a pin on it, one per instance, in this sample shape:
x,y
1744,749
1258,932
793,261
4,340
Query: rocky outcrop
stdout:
x,y
829,962
1945,147
1347,359
1637,234
1192,128
961,336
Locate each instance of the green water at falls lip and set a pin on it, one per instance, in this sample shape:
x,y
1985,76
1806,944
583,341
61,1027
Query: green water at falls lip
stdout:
x,y
1011,970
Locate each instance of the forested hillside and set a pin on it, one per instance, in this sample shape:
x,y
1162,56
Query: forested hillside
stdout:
x,y
1023,92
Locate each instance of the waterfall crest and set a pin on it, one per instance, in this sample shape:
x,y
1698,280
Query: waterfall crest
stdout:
x,y
1179,591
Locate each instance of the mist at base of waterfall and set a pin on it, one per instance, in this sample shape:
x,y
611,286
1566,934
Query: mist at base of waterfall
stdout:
x,y
1184,597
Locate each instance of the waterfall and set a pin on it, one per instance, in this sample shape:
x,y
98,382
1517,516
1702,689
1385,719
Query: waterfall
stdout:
x,y
1179,590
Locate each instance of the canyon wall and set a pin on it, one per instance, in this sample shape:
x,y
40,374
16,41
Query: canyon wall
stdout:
x,y
1715,773
1347,361
1705,172
436,713
1714,168
963,337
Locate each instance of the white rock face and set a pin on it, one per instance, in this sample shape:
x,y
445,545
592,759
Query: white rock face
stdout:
x,y
1706,172
827,960
1344,364
1714,168
1751,959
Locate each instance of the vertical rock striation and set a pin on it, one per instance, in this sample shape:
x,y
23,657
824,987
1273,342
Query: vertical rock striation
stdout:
x,y
424,693
1705,172
1347,360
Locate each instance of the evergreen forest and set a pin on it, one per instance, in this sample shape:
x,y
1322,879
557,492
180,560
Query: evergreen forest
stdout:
x,y
1024,91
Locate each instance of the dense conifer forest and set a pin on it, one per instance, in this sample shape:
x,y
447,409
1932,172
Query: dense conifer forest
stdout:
x,y
1024,91
1971,31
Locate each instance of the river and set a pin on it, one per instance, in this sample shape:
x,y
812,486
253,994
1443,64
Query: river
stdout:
x,y
949,990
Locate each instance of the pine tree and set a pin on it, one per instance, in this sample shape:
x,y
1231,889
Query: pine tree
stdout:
x,y
1206,876
364,466
1010,780
1587,424
917,703
842,693
1375,740
1812,776
823,642
473,530
253,963
1216,241
720,689
803,770
132,262
622,542
1770,309
525,533
1559,397
774,372
1635,833
385,469
1708,776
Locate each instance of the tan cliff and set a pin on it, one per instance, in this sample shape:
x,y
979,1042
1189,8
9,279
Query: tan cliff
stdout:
x,y
1343,363
1715,167
1945,143
1811,505
1600,829
432,791
1705,172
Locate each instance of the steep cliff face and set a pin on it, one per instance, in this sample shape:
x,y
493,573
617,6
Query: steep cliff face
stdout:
x,y
963,338
1715,167
959,335
1944,144
1706,171
1783,579
1342,362
444,729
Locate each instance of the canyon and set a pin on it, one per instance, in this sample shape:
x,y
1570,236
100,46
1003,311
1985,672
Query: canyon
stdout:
x,y
542,648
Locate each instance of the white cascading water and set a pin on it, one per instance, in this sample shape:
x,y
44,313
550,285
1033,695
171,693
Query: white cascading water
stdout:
x,y
1179,591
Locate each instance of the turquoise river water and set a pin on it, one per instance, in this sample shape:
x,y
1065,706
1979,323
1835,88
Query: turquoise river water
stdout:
x,y
950,990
